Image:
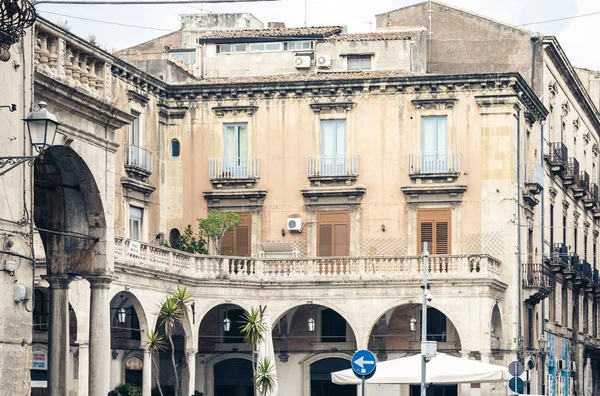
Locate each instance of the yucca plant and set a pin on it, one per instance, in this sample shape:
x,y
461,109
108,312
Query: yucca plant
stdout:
x,y
155,344
170,313
264,378
253,331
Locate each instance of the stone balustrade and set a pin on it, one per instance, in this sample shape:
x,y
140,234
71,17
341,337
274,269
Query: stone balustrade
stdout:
x,y
176,263
72,61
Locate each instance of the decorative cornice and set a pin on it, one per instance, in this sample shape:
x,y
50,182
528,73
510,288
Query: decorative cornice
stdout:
x,y
332,106
130,183
434,192
137,97
235,198
595,233
178,112
434,104
565,205
595,149
322,197
220,111
576,216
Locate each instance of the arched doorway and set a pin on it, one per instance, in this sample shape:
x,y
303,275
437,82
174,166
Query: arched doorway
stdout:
x,y
320,378
128,324
220,330
69,216
496,329
233,377
391,336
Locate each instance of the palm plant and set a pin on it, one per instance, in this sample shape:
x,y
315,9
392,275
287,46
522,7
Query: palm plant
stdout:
x,y
170,313
253,330
155,344
264,378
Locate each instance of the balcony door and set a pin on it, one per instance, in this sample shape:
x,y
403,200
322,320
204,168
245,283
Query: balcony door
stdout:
x,y
434,145
434,228
235,150
237,241
333,234
333,147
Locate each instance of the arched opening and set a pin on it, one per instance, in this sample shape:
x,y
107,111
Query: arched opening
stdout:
x,y
392,337
320,378
496,329
233,377
175,148
309,328
174,235
133,371
125,329
220,330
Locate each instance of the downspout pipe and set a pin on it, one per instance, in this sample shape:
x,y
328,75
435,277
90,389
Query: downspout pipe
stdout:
x,y
519,259
543,196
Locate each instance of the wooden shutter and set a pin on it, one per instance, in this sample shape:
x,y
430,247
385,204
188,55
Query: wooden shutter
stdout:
x,y
333,234
325,246
237,242
434,227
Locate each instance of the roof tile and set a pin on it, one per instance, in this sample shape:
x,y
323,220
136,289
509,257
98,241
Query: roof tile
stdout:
x,y
278,32
377,36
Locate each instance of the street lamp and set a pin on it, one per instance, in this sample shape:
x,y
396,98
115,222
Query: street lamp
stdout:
x,y
226,324
42,126
413,325
311,324
542,344
122,315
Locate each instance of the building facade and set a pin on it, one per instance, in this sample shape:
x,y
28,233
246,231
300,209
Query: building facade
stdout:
x,y
361,142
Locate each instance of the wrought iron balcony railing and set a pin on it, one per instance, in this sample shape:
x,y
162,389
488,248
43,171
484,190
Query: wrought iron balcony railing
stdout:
x,y
434,162
557,156
138,157
571,173
332,165
225,168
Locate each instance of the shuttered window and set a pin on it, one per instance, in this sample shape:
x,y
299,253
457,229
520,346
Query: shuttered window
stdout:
x,y
333,234
237,242
434,228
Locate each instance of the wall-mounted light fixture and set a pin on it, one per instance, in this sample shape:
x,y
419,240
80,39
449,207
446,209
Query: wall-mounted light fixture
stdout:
x,y
383,227
283,232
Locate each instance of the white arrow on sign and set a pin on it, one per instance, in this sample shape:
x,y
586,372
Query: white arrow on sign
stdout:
x,y
361,362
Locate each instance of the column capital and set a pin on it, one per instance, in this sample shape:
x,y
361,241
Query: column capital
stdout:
x,y
100,281
191,352
59,281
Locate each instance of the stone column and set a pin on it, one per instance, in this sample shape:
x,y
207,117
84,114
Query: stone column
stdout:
x,y
464,389
58,335
191,366
84,358
147,374
99,379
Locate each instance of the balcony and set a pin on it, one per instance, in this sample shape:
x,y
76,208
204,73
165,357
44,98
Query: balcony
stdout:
x,y
434,165
557,157
596,282
582,186
138,161
583,274
234,172
590,200
537,278
534,182
324,169
559,260
292,270
570,175
573,266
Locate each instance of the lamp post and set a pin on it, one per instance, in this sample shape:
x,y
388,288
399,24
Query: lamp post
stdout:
x,y
424,268
41,126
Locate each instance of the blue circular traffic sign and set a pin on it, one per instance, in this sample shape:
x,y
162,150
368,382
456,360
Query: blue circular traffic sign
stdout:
x,y
363,363
516,384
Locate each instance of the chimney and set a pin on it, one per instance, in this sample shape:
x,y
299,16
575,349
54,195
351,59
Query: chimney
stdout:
x,y
276,25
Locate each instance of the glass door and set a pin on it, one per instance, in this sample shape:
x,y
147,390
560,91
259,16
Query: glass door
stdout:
x,y
434,149
333,147
235,151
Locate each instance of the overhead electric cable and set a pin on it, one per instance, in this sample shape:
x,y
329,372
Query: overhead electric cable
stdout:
x,y
561,19
108,23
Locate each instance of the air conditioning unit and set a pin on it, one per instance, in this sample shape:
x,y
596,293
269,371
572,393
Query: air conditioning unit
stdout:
x,y
294,224
561,365
302,62
572,367
324,61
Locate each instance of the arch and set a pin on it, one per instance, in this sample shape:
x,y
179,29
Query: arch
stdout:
x,y
496,328
211,333
67,199
392,331
214,360
311,359
439,307
135,317
211,305
342,312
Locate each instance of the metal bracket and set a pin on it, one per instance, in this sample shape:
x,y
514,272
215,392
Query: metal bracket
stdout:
x,y
13,162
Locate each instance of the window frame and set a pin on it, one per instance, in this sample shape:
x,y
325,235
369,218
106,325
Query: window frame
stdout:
x,y
360,63
135,130
435,216
265,45
139,219
288,44
178,148
234,48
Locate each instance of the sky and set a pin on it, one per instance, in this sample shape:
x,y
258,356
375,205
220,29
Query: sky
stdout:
x,y
576,35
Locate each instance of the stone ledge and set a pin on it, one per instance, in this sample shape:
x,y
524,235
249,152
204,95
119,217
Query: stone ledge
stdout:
x,y
133,184
434,192
234,199
335,196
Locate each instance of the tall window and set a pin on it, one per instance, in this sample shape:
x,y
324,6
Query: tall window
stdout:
x,y
41,311
529,341
135,223
564,227
333,147
586,314
552,305
434,144
595,319
134,131
357,63
585,247
595,253
333,326
551,227
565,307
434,228
333,234
436,325
235,149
